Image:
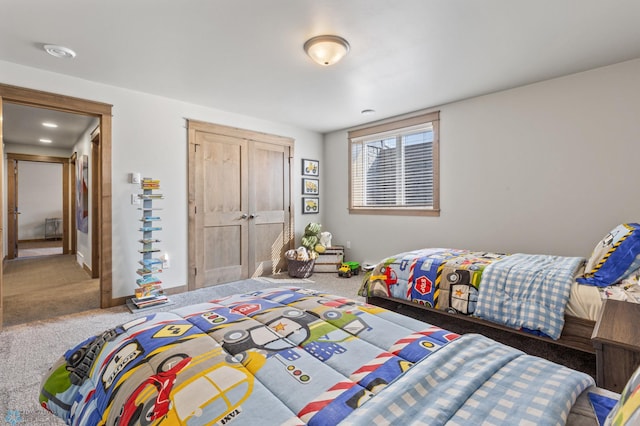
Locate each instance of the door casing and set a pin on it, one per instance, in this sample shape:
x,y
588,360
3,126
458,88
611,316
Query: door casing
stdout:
x,y
12,198
40,99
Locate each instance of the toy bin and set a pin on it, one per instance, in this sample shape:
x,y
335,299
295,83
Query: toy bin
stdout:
x,y
300,268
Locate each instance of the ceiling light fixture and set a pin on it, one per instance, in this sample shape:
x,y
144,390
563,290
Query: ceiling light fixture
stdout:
x,y
59,51
326,49
46,140
48,124
368,111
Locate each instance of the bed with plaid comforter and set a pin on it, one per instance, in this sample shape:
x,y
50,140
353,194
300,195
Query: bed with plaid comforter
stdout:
x,y
521,291
294,356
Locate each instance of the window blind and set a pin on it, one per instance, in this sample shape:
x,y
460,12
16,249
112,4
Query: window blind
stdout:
x,y
394,169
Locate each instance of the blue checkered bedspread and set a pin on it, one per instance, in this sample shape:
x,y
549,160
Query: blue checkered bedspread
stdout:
x,y
528,291
474,381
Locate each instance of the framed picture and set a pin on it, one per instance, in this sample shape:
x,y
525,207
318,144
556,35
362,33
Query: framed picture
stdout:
x,y
82,194
310,186
310,205
310,167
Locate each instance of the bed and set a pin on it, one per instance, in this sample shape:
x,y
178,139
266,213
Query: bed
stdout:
x,y
557,298
294,356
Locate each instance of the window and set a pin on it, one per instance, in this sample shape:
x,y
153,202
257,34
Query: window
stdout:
x,y
394,167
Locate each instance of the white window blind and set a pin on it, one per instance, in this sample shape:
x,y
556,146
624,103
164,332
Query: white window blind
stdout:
x,y
394,169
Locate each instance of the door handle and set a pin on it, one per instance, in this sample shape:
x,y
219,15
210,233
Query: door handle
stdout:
x,y
244,216
253,216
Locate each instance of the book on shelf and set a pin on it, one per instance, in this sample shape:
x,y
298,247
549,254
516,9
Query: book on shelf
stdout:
x,y
150,228
147,280
148,271
148,302
149,290
148,250
150,262
148,183
150,196
149,240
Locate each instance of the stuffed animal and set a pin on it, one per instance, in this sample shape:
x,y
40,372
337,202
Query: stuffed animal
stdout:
x,y
311,239
325,239
302,254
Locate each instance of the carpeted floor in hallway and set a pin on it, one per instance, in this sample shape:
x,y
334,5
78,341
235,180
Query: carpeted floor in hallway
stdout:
x,y
44,287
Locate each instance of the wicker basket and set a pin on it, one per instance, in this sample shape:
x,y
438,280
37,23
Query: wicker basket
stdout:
x,y
300,268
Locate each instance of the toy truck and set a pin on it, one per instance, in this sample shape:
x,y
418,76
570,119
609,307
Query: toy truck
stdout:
x,y
347,269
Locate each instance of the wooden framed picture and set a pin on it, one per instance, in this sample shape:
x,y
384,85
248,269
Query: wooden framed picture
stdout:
x,y
310,205
310,167
310,186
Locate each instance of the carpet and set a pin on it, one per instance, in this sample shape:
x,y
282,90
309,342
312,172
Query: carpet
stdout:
x,y
28,350
46,287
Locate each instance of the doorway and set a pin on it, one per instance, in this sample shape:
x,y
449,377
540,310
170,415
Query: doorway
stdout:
x,y
39,226
102,112
37,205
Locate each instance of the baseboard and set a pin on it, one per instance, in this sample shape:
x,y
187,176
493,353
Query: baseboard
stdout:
x,y
87,269
176,290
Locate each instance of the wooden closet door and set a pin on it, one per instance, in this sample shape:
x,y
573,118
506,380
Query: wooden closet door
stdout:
x,y
269,203
240,218
221,187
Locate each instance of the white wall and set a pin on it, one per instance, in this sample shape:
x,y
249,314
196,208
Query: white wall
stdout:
x,y
24,149
149,136
546,168
39,197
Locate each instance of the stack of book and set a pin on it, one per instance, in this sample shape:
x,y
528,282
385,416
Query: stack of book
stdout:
x,y
149,290
148,183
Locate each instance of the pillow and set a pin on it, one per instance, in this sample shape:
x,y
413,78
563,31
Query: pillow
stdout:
x,y
615,257
627,411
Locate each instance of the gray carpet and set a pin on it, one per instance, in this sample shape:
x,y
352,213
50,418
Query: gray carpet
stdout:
x,y
40,288
27,350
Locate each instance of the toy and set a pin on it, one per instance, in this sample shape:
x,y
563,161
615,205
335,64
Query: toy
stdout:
x,y
347,269
325,239
311,239
344,271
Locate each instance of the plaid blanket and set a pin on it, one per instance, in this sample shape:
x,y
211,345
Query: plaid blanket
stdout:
x,y
528,291
475,381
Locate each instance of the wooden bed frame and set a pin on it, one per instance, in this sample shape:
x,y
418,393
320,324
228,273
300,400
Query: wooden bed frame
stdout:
x,y
576,333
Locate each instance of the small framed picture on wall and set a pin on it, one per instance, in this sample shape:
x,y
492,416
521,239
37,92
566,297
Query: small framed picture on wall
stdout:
x,y
310,186
310,167
310,205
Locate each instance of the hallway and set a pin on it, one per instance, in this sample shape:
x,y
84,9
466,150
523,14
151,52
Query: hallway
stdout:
x,y
44,287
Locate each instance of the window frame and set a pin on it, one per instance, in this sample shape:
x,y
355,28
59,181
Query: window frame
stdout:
x,y
396,127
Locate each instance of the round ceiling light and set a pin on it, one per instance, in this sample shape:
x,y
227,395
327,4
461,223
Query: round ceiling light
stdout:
x,y
59,51
326,49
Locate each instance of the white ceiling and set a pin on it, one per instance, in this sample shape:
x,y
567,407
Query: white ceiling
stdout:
x,y
246,56
23,125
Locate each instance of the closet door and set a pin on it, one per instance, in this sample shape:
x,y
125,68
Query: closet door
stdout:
x,y
240,221
269,201
221,209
